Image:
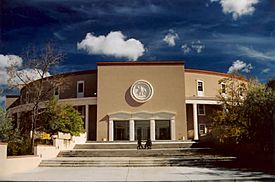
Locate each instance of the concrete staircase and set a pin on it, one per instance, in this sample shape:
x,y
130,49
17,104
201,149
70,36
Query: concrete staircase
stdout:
x,y
126,155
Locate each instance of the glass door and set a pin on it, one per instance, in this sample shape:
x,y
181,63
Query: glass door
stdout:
x,y
142,129
121,130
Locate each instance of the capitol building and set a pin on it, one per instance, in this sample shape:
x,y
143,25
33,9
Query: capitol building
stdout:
x,y
124,101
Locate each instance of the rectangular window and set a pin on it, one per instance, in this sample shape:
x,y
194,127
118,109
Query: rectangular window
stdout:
x,y
121,130
200,89
80,88
162,130
202,129
200,86
56,92
201,109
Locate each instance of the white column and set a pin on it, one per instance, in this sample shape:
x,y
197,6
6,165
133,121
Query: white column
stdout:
x,y
173,129
195,119
152,130
111,130
87,119
132,129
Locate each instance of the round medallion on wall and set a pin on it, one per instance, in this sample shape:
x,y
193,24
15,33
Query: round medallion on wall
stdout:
x,y
141,91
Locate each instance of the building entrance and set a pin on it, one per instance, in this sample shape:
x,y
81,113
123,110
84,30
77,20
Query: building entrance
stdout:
x,y
121,130
142,129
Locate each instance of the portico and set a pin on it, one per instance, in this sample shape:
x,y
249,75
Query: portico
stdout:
x,y
141,125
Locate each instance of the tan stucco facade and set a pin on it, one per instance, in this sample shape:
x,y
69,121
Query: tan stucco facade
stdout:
x,y
108,97
211,83
114,82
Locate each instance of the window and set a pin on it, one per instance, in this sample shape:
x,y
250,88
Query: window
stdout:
x,y
56,92
162,130
80,88
203,129
201,109
121,130
142,129
200,88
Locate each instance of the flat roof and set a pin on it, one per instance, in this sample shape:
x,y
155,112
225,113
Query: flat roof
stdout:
x,y
126,63
213,73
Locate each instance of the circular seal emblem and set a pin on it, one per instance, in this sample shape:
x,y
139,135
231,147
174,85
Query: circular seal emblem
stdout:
x,y
141,91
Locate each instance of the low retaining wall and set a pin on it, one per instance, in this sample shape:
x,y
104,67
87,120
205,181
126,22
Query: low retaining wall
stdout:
x,y
17,164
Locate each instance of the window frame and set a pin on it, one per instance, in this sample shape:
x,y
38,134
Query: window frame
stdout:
x,y
80,94
223,88
202,132
200,92
54,91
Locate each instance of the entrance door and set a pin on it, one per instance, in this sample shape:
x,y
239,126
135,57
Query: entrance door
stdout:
x,y
142,129
92,123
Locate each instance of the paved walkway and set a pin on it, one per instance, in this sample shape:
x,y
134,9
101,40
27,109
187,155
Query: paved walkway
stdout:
x,y
134,174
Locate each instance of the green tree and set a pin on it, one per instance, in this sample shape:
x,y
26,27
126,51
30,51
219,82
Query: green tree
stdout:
x,y
7,131
258,111
228,122
63,118
247,115
36,89
10,135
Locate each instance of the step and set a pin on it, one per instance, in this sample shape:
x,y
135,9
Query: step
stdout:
x,y
133,145
133,161
133,152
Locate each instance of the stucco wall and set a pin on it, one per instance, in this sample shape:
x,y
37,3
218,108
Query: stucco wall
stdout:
x,y
211,83
16,164
114,84
69,88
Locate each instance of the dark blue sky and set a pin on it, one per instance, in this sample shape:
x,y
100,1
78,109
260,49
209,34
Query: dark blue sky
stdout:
x,y
221,36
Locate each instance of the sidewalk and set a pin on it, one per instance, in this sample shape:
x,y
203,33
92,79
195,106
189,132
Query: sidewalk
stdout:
x,y
135,174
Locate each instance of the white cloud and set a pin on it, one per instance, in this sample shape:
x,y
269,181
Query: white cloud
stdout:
x,y
195,46
171,38
113,44
9,60
237,8
266,70
5,61
240,66
27,74
268,55
186,49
